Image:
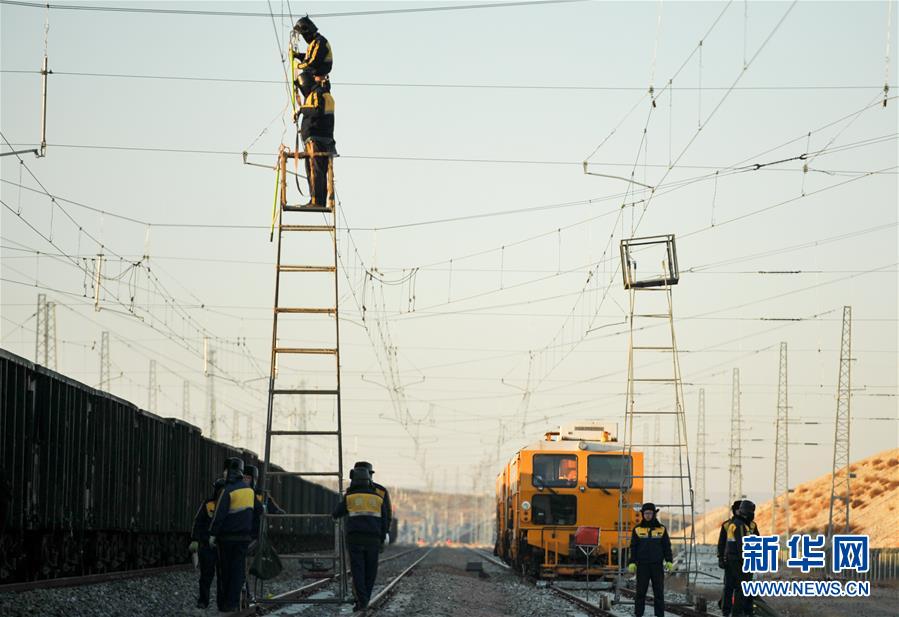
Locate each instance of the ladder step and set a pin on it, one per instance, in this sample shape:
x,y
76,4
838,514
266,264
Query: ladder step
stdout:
x,y
658,379
313,392
658,477
653,348
653,413
658,445
288,515
304,433
305,310
335,474
307,227
306,350
298,268
653,315
295,208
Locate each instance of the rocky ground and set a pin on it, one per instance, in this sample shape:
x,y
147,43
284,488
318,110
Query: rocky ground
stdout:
x,y
439,587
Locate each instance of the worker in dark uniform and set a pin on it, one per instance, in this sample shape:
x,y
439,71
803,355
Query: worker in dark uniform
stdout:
x,y
316,61
206,555
230,531
366,529
382,491
649,556
729,584
317,133
742,524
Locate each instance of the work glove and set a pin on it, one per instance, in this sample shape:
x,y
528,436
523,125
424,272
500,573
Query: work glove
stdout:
x,y
631,567
211,541
721,563
193,546
669,567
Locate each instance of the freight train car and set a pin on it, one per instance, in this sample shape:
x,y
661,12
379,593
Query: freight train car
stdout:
x,y
89,483
568,481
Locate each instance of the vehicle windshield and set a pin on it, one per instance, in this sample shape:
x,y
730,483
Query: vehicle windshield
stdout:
x,y
555,471
606,471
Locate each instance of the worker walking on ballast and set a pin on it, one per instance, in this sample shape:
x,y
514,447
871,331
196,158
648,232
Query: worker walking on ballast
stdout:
x,y
650,556
206,555
366,529
741,525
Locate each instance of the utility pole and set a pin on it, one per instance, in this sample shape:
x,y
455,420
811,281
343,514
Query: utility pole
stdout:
x,y
105,363
235,428
45,333
185,401
735,490
700,463
210,394
839,488
151,388
780,511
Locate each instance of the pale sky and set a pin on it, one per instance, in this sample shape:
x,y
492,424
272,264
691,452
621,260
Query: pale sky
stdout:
x,y
476,122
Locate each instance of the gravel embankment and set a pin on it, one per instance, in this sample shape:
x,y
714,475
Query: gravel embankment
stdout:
x,y
173,594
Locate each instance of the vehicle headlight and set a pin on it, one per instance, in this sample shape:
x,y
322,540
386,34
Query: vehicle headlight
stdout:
x,y
525,505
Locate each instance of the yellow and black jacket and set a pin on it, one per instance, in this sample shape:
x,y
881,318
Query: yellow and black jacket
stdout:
x,y
385,495
318,115
367,516
318,58
650,543
734,530
235,510
202,519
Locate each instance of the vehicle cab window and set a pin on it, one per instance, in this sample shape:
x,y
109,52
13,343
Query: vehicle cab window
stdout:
x,y
607,471
555,471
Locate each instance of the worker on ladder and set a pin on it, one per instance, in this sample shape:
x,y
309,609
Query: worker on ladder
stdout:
x,y
316,61
317,133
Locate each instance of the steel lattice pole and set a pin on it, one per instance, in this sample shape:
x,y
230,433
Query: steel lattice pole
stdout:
x,y
781,500
839,487
735,490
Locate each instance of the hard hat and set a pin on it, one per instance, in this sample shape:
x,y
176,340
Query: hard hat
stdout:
x,y
234,464
747,508
305,26
649,507
366,465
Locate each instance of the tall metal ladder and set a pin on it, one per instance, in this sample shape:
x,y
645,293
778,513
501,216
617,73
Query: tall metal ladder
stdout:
x,y
300,348
673,443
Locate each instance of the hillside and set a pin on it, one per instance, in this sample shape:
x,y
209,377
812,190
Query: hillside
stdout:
x,y
874,505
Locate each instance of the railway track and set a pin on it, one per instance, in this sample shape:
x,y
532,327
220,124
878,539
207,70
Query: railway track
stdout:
x,y
272,604
92,579
594,609
380,598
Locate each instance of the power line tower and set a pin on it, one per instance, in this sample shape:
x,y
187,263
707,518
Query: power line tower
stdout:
x,y
151,388
185,401
838,519
780,512
45,333
210,395
651,302
303,313
735,490
700,464
105,362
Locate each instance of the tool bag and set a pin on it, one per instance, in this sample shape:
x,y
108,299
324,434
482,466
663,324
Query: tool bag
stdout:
x,y
266,563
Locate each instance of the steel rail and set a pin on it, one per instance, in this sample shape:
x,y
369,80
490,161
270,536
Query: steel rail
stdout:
x,y
271,604
381,597
91,579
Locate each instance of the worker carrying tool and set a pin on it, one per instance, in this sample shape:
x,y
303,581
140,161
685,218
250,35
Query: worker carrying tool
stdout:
x,y
206,555
650,556
317,133
366,529
380,490
741,525
230,531
317,59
